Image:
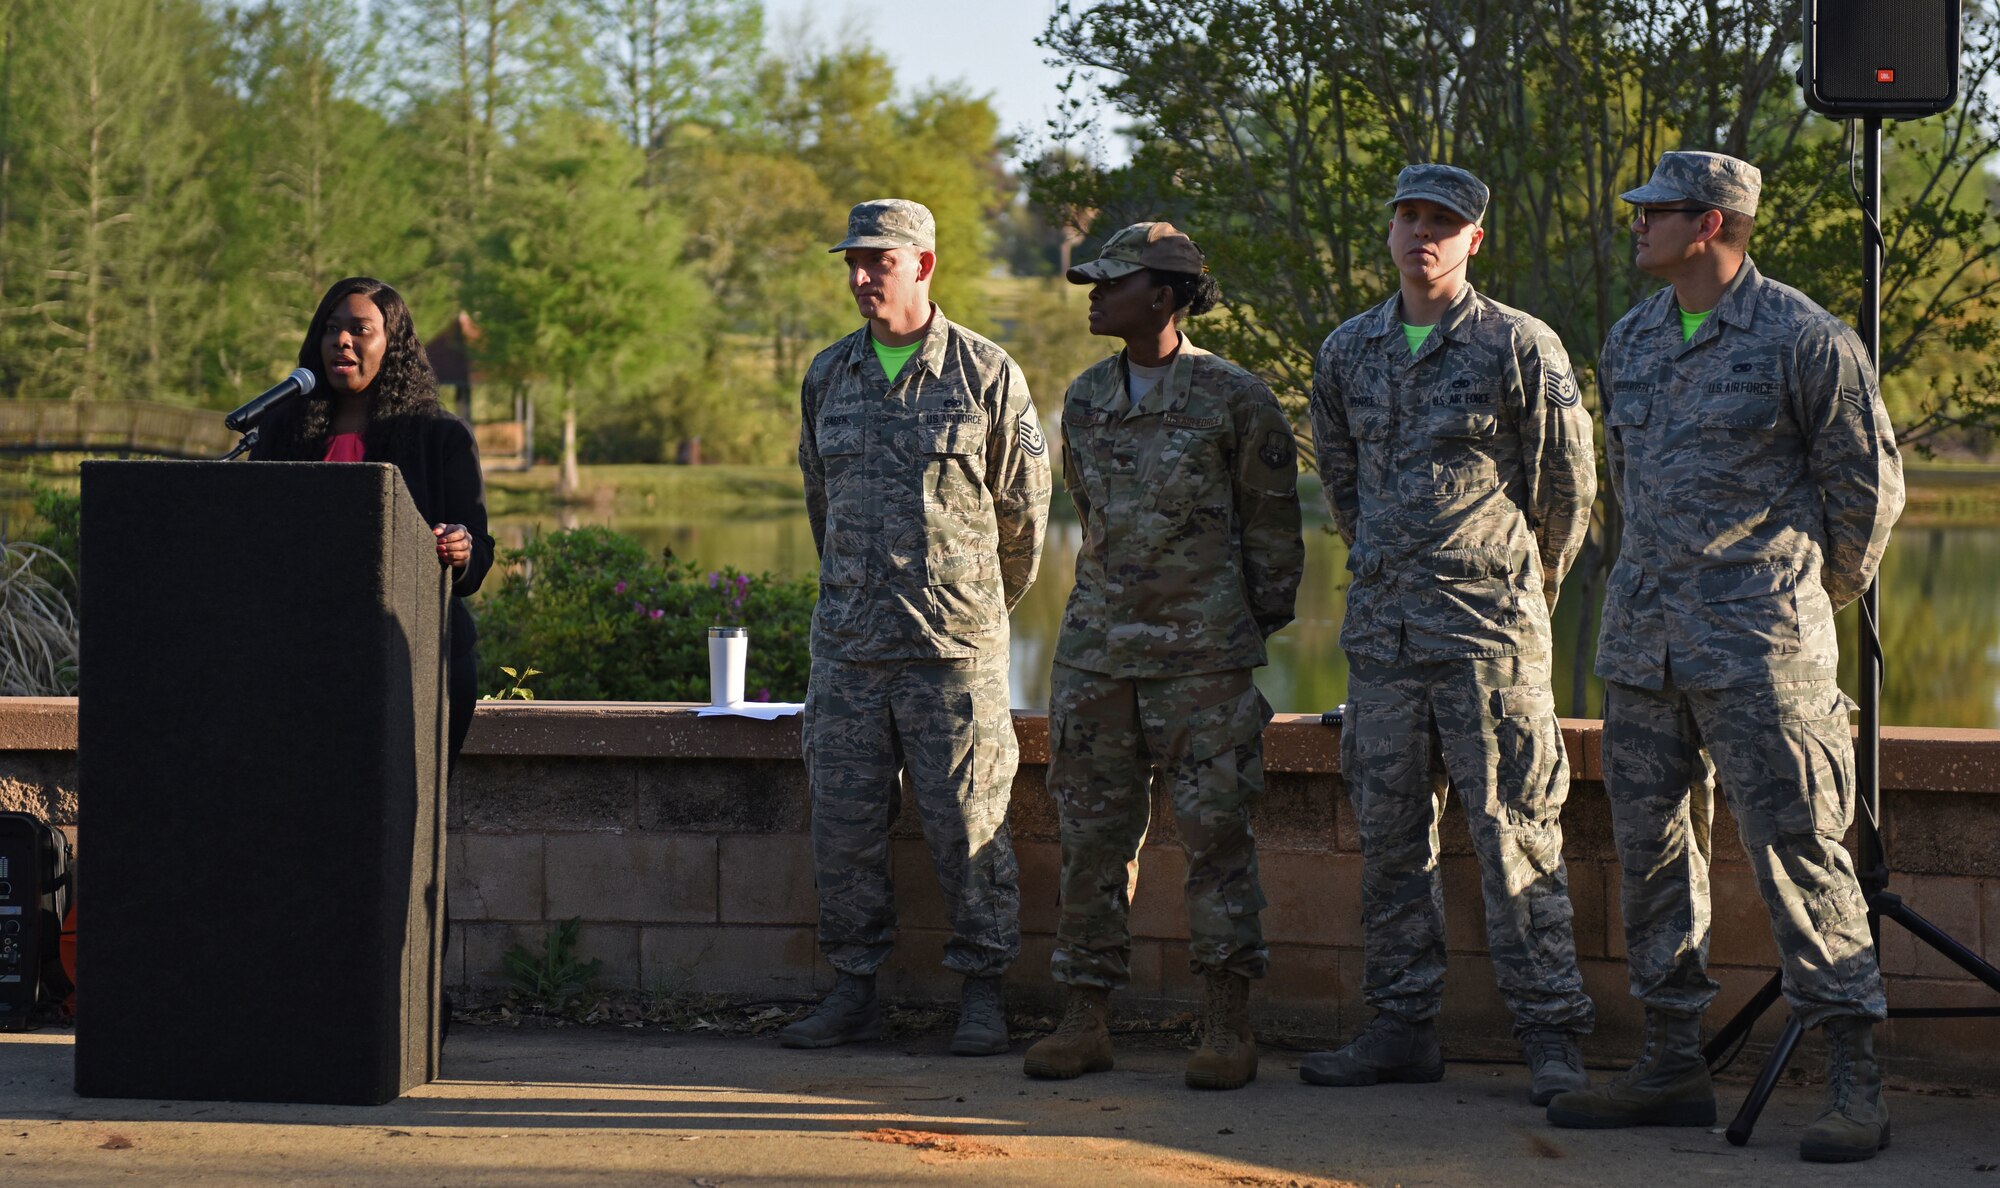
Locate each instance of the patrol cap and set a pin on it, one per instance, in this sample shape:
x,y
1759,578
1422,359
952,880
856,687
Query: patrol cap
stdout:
x,y
1142,245
1447,185
1705,179
889,223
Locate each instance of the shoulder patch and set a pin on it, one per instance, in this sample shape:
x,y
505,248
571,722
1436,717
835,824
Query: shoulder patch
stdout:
x,y
1278,450
1028,432
1560,387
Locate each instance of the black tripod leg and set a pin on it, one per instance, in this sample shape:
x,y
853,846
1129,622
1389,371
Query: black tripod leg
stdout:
x,y
1892,907
1760,1093
1739,1025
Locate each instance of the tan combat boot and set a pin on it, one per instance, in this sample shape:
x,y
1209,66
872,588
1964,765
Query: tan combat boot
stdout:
x,y
1080,1044
1855,1123
1668,1087
1226,1057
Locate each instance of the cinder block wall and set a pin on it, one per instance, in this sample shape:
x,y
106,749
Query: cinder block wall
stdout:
x,y
681,843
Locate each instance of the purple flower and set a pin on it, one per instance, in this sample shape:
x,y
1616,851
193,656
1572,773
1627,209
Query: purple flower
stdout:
x,y
659,612
640,607
619,588
713,579
763,695
742,583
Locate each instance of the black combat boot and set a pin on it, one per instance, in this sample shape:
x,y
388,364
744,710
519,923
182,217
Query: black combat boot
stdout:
x,y
848,1014
1390,1049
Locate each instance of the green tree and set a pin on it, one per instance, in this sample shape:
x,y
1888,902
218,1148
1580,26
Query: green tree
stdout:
x,y
654,64
1273,133
578,285
312,177
106,218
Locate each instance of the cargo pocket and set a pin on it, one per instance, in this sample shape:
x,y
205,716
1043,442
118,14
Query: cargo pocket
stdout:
x,y
1529,763
964,591
1755,605
1823,747
1477,585
1217,779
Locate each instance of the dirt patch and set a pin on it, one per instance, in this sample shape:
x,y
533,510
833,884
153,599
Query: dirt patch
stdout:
x,y
942,1143
1541,1146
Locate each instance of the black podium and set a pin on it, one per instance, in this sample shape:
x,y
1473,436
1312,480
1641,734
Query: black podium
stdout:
x,y
261,761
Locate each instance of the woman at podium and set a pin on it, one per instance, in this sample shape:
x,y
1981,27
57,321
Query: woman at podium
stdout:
x,y
376,401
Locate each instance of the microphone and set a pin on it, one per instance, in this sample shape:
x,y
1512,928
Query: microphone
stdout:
x,y
245,419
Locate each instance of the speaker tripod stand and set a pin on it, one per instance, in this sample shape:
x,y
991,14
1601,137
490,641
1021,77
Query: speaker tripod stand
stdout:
x,y
1872,863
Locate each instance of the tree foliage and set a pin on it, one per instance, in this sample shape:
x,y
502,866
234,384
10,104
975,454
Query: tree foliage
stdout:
x,y
631,198
1273,132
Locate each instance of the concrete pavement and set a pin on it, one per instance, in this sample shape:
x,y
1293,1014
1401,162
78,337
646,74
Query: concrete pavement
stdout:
x,y
598,1106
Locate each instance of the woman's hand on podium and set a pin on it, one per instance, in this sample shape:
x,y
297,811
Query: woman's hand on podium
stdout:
x,y
454,544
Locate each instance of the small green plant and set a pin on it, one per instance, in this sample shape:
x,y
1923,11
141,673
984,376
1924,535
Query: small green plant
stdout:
x,y
552,979
519,689
619,625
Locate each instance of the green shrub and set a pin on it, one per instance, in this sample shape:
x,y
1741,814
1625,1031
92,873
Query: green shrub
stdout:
x,y
602,621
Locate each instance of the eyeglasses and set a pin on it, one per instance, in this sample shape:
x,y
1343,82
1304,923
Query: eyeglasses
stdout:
x,y
1641,214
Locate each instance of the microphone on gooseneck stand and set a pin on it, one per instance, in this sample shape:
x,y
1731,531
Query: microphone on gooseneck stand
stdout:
x,y
245,420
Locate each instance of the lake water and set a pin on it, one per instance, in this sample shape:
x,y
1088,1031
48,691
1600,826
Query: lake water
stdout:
x,y
1940,617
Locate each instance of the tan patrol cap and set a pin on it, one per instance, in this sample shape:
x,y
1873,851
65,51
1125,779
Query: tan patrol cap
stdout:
x,y
1142,245
889,223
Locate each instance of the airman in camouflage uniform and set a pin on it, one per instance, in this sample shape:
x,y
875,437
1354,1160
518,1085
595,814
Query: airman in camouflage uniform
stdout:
x,y
1458,465
928,493
1759,478
1187,494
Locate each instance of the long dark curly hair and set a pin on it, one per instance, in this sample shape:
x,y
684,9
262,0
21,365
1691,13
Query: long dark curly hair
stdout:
x,y
404,392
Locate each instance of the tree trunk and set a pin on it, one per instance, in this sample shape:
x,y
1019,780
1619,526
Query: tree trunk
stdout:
x,y
567,487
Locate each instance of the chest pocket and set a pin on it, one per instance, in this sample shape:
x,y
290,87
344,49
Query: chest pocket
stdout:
x,y
952,447
1740,413
840,438
1463,451
1628,412
1188,461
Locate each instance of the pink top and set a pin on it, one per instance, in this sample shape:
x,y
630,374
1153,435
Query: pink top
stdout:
x,y
344,447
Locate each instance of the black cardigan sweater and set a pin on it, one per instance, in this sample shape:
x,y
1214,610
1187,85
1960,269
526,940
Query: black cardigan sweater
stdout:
x,y
440,465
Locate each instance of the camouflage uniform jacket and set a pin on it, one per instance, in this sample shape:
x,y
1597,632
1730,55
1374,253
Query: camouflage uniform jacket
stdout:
x,y
928,496
1759,477
1189,504
1461,478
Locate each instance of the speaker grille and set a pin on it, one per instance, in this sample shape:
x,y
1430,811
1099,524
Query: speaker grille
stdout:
x,y
1886,51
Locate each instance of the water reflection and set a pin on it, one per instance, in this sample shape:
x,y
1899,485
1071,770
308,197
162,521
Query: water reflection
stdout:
x,y
1941,620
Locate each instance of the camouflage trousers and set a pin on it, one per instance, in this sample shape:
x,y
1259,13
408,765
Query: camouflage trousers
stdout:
x,y
1204,737
1487,728
1785,761
941,728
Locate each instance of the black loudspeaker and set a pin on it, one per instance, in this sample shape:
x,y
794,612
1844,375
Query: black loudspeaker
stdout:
x,y
23,927
260,763
1893,59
